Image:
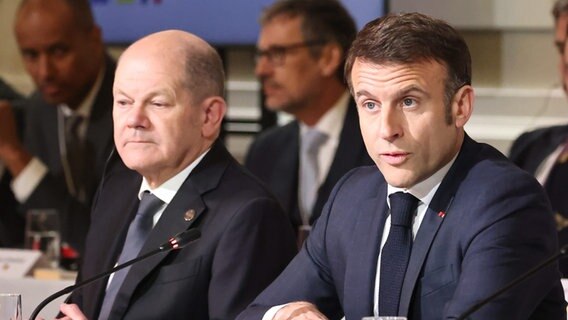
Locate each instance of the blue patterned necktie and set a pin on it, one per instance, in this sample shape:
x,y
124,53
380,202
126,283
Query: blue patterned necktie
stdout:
x,y
312,140
138,231
396,252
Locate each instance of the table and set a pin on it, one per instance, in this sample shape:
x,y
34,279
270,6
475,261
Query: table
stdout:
x,y
34,291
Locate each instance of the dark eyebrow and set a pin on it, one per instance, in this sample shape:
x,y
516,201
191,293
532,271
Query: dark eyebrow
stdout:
x,y
401,93
410,89
362,93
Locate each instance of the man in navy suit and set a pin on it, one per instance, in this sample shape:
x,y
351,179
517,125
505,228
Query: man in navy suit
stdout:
x,y
478,221
168,109
63,52
301,52
543,152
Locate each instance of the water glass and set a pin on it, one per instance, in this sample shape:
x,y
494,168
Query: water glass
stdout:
x,y
10,306
42,233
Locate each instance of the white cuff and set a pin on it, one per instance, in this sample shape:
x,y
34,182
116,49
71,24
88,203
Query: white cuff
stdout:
x,y
269,315
28,180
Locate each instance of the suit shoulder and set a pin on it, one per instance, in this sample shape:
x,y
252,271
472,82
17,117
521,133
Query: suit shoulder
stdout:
x,y
535,137
273,137
363,181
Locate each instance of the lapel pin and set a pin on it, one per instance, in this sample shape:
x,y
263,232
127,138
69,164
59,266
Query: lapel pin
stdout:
x,y
441,214
189,215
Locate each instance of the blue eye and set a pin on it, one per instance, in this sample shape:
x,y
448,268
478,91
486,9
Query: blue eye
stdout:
x,y
408,102
370,105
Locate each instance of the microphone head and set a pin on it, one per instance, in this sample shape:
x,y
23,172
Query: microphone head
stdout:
x,y
182,239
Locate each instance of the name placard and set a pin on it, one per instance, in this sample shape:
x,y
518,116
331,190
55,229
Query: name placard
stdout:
x,y
16,263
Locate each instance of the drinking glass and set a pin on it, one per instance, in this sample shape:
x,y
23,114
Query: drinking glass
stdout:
x,y
42,233
10,306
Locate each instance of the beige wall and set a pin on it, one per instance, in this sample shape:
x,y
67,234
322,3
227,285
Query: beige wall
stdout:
x,y
11,69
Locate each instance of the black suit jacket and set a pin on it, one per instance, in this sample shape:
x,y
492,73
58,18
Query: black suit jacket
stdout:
x,y
41,140
246,241
531,148
487,224
274,158
11,222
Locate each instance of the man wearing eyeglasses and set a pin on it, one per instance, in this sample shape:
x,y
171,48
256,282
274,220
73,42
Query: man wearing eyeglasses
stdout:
x,y
544,152
301,51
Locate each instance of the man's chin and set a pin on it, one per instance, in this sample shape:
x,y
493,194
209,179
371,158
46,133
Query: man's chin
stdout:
x,y
54,99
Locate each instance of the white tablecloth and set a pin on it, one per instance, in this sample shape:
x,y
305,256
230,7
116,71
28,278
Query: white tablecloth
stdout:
x,y
34,291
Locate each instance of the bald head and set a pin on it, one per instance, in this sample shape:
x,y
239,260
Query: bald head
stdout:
x,y
168,104
202,68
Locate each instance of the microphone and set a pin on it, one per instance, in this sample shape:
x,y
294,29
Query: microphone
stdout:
x,y
175,243
513,283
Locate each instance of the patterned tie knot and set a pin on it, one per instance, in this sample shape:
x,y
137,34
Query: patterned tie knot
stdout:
x,y
72,124
403,205
149,204
312,140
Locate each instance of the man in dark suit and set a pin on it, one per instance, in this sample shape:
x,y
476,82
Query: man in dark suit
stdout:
x,y
301,52
445,221
63,52
168,109
11,224
543,152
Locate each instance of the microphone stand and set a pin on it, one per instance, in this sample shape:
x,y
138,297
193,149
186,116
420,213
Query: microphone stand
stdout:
x,y
513,283
177,242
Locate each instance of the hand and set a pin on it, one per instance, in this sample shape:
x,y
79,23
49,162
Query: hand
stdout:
x,y
71,312
299,310
12,153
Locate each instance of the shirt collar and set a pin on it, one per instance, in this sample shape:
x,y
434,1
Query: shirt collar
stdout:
x,y
328,123
167,190
425,190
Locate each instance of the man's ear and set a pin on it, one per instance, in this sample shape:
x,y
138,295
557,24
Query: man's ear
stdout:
x,y
330,59
214,109
462,105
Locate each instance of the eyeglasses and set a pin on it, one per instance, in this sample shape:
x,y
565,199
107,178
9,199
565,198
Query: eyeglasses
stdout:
x,y
276,54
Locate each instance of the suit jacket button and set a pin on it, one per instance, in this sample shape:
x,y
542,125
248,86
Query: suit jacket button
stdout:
x,y
189,215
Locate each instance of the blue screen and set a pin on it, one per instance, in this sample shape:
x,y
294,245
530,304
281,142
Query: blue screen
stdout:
x,y
220,22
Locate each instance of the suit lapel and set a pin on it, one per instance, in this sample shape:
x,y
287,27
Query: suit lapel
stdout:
x,y
361,269
439,208
205,176
350,153
115,217
285,184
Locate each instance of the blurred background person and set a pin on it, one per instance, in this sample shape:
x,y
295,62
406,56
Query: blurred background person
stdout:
x,y
11,224
301,52
544,152
168,110
68,120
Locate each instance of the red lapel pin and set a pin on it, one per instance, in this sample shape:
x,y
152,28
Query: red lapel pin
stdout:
x,y
441,214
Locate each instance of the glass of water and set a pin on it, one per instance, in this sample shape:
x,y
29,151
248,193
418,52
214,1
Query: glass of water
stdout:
x,y
10,306
42,233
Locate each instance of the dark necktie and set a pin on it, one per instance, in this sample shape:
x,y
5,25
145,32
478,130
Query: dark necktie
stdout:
x,y
556,187
76,156
396,252
138,231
